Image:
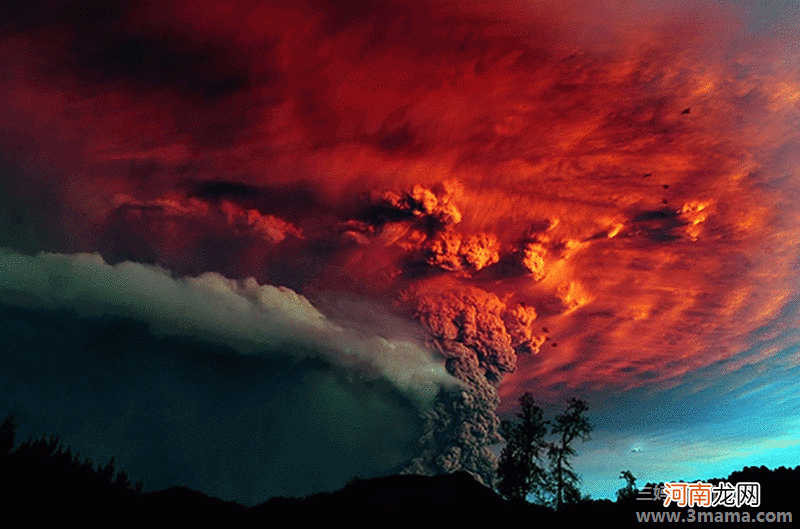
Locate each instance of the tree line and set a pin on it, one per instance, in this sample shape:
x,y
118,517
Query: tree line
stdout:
x,y
537,458
45,468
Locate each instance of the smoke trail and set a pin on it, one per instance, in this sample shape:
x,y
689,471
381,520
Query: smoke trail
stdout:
x,y
241,314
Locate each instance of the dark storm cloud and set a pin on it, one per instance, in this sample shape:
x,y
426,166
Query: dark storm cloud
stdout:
x,y
657,226
28,209
82,15
291,201
107,48
398,139
219,189
163,63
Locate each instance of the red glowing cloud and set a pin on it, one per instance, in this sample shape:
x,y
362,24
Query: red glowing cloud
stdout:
x,y
632,184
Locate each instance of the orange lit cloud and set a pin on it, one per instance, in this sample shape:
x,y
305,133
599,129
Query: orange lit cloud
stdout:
x,y
633,182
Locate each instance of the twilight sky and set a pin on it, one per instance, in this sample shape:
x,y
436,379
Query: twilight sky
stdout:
x,y
259,248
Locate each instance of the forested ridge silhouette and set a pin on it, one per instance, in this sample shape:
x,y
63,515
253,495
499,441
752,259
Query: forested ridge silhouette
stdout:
x,y
43,479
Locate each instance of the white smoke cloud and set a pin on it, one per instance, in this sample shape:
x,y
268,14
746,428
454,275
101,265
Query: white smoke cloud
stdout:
x,y
241,314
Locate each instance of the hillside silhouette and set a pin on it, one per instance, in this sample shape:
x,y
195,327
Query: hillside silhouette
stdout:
x,y
44,480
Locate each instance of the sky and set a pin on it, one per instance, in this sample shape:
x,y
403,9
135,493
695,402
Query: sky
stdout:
x,y
261,248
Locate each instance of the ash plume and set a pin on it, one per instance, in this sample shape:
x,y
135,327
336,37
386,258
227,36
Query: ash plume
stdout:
x,y
480,336
453,252
423,206
244,315
422,222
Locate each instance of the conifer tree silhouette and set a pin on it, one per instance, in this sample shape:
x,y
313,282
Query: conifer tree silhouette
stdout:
x,y
569,426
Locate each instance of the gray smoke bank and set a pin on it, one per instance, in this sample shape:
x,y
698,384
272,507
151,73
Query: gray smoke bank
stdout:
x,y
241,314
477,334
480,336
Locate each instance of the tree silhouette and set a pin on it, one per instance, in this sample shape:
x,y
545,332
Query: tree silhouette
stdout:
x,y
45,471
519,471
629,491
570,425
7,434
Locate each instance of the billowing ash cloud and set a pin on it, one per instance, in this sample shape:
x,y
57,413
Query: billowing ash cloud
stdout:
x,y
452,251
409,220
422,222
422,203
240,314
480,336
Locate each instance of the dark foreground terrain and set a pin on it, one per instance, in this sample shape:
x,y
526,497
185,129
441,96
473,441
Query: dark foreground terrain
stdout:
x,y
43,482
